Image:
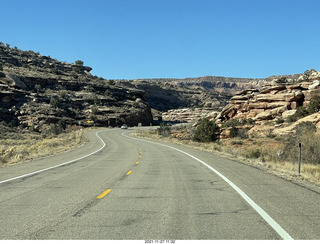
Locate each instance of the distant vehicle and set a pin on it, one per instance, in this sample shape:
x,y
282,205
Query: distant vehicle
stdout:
x,y
169,124
124,126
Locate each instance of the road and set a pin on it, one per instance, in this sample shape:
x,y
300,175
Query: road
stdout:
x,y
118,187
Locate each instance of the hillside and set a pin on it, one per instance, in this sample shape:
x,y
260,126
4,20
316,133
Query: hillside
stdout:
x,y
189,99
37,92
40,93
166,94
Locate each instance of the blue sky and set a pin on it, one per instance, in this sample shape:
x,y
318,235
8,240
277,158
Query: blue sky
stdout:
x,y
131,39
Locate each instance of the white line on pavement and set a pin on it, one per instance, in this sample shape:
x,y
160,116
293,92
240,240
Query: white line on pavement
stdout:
x,y
56,166
284,235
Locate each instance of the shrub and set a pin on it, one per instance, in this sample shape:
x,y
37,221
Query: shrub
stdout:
x,y
282,80
253,153
310,141
231,123
79,62
314,105
279,121
94,110
38,88
240,133
243,134
206,131
233,132
300,113
163,130
54,102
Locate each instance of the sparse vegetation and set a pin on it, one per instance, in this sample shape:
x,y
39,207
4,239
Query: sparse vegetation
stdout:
x,y
79,62
313,107
282,80
276,154
163,130
237,122
306,133
16,147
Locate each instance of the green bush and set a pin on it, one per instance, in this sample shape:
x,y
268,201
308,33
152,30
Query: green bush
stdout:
x,y
279,121
300,113
233,132
231,123
314,105
240,133
282,80
238,122
79,62
54,102
206,131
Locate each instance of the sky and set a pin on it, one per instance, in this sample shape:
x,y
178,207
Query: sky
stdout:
x,y
136,39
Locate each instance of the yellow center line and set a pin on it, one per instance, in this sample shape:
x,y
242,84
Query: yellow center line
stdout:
x,y
140,156
129,172
103,194
137,162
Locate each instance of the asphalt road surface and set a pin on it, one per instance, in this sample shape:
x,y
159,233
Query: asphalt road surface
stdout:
x,y
118,187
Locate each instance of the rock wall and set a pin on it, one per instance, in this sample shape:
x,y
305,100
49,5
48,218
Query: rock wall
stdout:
x,y
189,114
272,102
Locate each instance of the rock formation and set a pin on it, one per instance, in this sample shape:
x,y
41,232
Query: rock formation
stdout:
x,y
189,114
272,103
37,92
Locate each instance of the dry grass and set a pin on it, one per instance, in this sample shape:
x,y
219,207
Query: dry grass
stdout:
x,y
260,152
29,146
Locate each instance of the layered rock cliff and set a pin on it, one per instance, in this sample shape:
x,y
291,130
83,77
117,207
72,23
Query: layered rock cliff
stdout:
x,y
38,91
271,106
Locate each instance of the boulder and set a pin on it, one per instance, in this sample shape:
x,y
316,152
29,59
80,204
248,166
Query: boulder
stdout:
x,y
314,85
288,113
267,115
272,88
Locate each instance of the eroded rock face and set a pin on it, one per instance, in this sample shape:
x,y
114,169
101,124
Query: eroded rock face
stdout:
x,y
273,103
189,114
37,92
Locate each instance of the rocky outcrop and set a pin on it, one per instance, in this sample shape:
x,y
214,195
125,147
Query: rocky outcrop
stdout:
x,y
189,115
271,104
37,92
313,118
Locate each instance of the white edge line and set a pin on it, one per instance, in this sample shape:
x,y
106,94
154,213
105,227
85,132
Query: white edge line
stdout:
x,y
56,166
284,235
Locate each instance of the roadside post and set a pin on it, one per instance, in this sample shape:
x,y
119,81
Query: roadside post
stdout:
x,y
299,159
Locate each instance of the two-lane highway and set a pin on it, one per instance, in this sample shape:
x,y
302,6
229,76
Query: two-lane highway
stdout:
x,y
119,187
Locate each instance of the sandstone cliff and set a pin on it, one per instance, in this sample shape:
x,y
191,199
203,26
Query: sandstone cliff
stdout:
x,y
271,106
